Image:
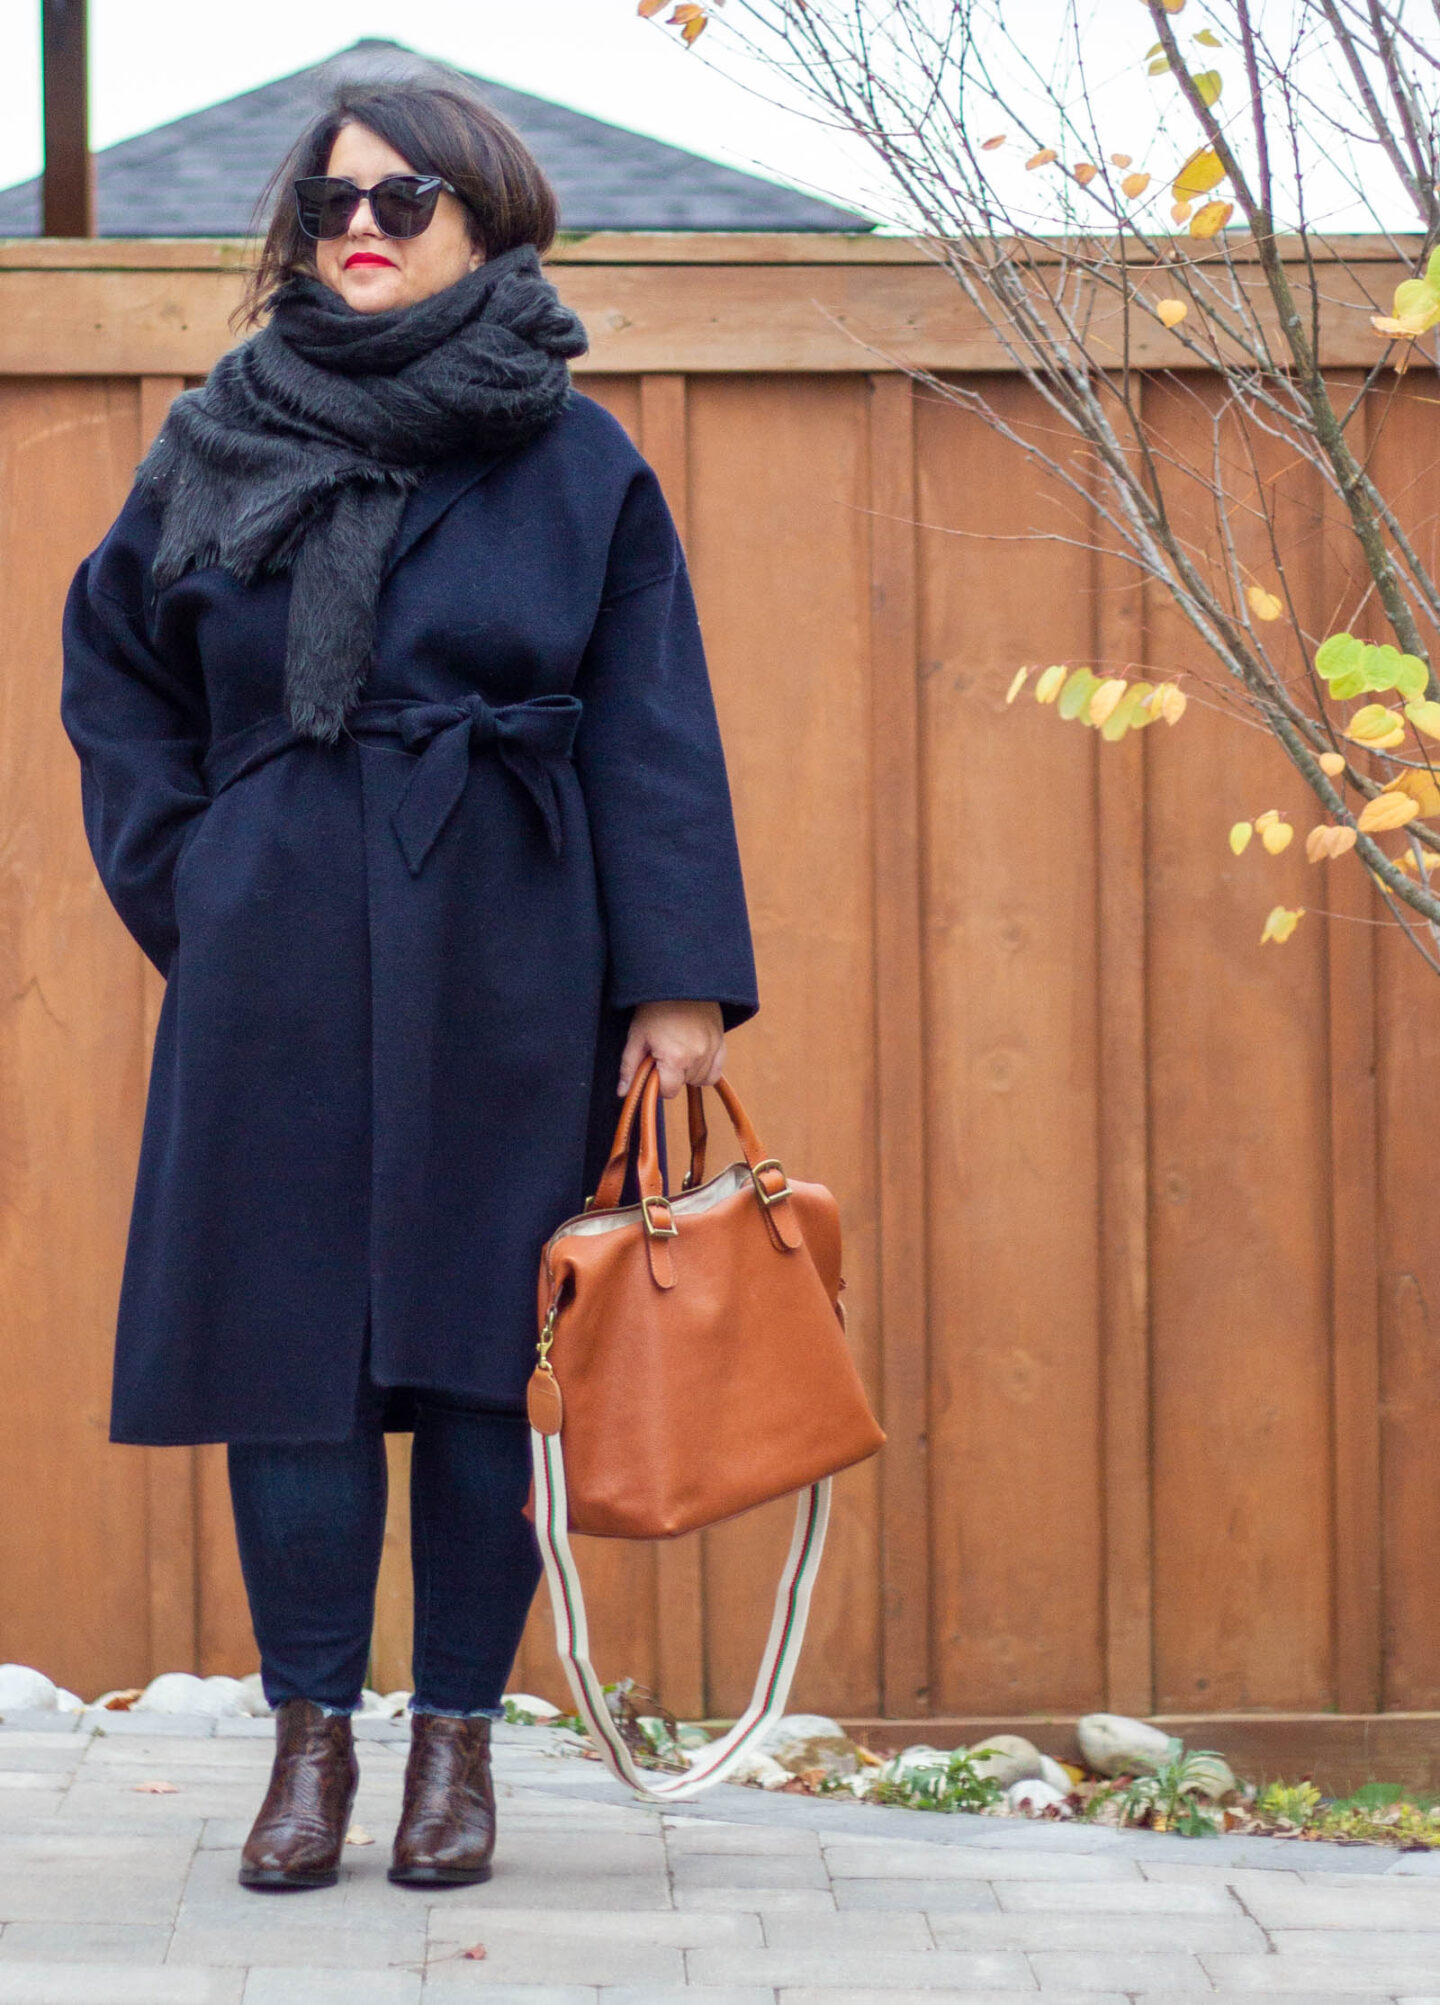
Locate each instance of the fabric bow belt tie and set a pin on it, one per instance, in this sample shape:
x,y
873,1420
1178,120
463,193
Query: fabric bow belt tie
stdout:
x,y
529,739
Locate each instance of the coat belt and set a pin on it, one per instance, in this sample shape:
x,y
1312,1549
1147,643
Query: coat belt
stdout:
x,y
529,738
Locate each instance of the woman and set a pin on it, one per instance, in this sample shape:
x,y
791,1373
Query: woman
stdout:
x,y
399,760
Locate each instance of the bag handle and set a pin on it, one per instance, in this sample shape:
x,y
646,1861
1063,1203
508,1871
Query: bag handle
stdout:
x,y
642,1104
572,1638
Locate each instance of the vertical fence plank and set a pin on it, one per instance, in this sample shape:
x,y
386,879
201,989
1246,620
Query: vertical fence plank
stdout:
x,y
1124,1163
679,1563
899,1053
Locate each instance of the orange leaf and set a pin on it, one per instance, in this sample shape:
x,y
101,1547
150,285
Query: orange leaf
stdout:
x,y
155,1789
1134,184
648,8
1085,173
1332,763
1042,158
693,30
476,1953
1180,212
1386,811
989,145
1121,159
1171,311
686,11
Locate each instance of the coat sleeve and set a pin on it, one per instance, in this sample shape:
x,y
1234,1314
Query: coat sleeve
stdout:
x,y
140,725
652,769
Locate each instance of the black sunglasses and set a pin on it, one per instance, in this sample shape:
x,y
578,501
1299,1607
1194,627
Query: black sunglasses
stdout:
x,y
402,204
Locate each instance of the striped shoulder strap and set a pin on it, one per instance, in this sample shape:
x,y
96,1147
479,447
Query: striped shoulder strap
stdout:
x,y
572,1638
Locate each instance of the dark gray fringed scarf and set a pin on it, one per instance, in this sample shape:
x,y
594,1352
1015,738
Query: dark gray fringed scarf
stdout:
x,y
302,446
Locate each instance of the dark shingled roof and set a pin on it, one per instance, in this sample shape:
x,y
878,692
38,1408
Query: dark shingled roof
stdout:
x,y
201,176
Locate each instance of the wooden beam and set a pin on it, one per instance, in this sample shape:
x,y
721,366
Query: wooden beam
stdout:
x,y
114,319
68,182
1124,1159
905,1665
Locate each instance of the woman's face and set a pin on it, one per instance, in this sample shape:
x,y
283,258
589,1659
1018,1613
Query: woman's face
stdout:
x,y
372,272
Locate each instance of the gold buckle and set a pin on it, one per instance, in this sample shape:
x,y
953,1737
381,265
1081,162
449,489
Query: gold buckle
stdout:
x,y
547,1338
655,1231
769,1197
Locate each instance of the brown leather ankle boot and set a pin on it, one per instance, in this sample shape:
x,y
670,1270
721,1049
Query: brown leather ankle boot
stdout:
x,y
447,1823
297,1838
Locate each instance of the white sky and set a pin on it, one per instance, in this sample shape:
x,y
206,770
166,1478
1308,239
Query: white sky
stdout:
x,y
153,60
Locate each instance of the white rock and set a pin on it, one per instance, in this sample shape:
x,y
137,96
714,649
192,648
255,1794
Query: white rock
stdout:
x,y
526,1702
1208,1775
754,1767
68,1702
1034,1794
25,1691
256,1704
811,1740
1113,1744
916,1760
1056,1775
182,1692
1005,1758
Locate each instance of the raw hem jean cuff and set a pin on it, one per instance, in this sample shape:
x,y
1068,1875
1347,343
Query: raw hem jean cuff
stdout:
x,y
461,1712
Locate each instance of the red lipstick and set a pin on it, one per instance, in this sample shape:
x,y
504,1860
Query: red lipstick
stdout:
x,y
368,258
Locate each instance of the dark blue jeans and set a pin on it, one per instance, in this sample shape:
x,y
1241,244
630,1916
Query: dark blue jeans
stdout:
x,y
310,1521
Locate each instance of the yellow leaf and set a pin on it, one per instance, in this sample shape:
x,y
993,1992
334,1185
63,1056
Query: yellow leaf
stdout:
x,y
1342,840
1317,843
1050,683
1386,811
989,145
1203,171
1403,862
1277,837
1085,173
1420,787
1171,311
685,12
1264,605
1268,819
1210,40
1172,702
1209,221
1042,158
1373,723
1208,85
1180,212
1425,717
1281,923
694,29
1121,159
1107,694
1332,763
1240,836
1134,184
1016,685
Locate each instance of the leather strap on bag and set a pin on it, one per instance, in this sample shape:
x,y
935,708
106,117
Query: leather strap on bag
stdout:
x,y
777,1666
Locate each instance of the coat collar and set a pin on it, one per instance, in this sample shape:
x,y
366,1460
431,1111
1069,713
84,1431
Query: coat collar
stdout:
x,y
442,486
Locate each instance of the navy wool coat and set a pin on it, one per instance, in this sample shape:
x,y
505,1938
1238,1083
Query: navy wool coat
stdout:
x,y
400,968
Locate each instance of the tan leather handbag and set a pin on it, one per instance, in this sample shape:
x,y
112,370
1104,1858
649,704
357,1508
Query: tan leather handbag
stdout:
x,y
692,1364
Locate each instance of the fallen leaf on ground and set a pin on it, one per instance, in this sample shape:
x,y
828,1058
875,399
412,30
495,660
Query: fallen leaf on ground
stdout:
x,y
121,1702
155,1789
476,1953
358,1835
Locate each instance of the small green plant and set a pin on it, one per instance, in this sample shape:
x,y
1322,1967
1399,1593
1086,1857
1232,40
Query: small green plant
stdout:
x,y
955,1786
1167,1798
1291,1802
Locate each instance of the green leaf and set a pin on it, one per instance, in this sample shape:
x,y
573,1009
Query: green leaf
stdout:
x,y
1351,683
1412,676
1158,67
1381,666
1158,49
1432,270
1074,697
1209,38
1208,84
1339,655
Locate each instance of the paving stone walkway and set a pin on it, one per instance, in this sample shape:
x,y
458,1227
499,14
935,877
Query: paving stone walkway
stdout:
x,y
110,1895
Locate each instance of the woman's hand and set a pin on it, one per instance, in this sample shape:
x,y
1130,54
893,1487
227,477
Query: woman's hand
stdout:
x,y
686,1040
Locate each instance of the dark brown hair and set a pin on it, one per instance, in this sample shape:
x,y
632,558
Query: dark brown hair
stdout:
x,y
440,128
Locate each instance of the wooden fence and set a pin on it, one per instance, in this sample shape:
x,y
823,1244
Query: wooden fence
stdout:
x,y
1140,1217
